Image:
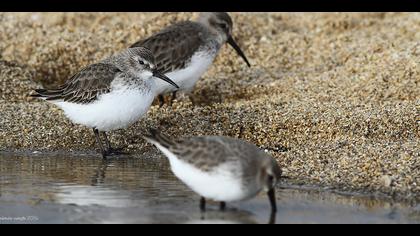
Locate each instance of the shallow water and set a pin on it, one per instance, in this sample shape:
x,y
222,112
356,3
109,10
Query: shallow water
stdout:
x,y
57,188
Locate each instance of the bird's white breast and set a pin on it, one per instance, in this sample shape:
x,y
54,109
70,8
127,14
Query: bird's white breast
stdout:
x,y
222,184
187,78
115,110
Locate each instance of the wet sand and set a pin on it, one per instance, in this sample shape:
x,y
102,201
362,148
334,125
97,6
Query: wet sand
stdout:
x,y
334,97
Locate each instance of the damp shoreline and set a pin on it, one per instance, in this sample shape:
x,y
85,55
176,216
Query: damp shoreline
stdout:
x,y
286,183
143,190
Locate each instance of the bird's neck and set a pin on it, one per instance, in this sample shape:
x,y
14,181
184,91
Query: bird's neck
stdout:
x,y
210,34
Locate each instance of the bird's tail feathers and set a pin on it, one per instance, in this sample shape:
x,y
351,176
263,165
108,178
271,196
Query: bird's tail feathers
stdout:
x,y
45,94
156,137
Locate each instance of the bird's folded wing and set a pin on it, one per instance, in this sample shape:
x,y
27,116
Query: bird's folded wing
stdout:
x,y
86,86
174,46
202,152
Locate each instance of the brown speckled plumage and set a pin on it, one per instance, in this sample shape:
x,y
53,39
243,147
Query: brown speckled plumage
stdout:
x,y
174,46
85,86
94,80
209,152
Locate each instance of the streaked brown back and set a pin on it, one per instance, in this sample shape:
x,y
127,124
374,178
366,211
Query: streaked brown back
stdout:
x,y
174,46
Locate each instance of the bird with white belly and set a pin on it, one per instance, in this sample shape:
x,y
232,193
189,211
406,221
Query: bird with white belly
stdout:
x,y
109,95
185,50
220,168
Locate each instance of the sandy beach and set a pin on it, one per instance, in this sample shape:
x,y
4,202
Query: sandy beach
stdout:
x,y
334,97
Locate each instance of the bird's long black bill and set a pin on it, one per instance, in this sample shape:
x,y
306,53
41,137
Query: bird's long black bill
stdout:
x,y
272,197
165,78
235,46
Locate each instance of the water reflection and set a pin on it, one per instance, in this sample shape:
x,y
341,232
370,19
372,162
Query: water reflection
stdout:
x,y
87,189
228,217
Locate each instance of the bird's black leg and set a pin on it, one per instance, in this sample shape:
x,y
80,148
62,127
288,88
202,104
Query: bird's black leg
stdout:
x,y
108,144
203,204
110,150
272,197
173,98
98,141
161,100
222,206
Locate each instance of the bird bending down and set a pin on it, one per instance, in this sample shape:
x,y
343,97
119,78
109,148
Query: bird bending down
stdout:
x,y
220,168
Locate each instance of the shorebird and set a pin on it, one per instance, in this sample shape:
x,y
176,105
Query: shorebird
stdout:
x,y
220,168
109,95
184,51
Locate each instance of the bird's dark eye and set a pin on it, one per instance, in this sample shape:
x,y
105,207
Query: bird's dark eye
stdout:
x,y
141,62
223,26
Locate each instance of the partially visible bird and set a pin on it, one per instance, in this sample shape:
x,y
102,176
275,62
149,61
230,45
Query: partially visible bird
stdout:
x,y
184,51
